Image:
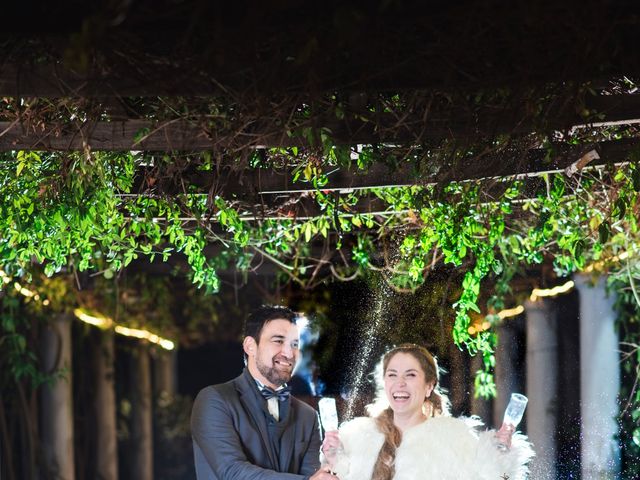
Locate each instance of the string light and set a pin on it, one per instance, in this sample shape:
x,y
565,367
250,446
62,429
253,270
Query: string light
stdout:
x,y
101,322
515,311
5,278
480,327
551,292
510,312
598,265
24,291
105,322
146,335
95,320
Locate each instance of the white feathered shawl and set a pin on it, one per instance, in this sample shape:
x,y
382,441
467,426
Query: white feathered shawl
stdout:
x,y
442,448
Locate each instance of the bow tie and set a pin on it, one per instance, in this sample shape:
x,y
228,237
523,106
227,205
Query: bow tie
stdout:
x,y
282,394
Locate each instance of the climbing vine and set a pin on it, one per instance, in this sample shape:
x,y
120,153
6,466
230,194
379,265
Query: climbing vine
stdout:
x,y
79,212
100,211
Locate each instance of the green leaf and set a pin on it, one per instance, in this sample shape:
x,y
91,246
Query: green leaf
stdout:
x,y
307,232
635,176
604,231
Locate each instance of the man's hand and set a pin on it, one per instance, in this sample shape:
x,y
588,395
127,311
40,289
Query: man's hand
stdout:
x,y
324,474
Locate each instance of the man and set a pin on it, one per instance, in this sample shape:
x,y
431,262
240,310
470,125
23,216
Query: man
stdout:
x,y
250,428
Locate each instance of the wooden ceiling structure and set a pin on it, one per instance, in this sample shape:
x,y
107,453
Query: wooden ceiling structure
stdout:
x,y
262,53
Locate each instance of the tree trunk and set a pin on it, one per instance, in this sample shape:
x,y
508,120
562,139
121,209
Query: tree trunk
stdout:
x,y
105,408
57,401
141,408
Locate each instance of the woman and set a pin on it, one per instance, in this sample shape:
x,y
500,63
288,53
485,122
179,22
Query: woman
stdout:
x,y
414,438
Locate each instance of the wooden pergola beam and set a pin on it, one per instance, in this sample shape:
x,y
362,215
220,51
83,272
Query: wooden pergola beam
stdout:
x,y
268,184
184,135
106,136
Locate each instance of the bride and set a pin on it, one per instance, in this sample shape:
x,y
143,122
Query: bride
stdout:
x,y
409,434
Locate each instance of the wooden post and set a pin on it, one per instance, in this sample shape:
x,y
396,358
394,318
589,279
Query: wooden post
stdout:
x,y
599,382
542,386
105,407
57,401
141,415
164,369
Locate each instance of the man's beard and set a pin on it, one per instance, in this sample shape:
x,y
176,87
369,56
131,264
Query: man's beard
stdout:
x,y
273,374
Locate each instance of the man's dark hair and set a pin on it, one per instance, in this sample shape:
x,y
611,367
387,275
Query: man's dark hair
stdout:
x,y
263,315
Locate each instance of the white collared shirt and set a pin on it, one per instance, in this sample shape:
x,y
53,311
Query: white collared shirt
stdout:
x,y
273,403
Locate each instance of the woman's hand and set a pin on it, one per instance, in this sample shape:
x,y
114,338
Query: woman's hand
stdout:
x,y
504,435
323,474
330,447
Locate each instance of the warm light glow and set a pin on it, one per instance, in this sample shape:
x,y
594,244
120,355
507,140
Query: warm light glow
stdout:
x,y
101,322
144,334
479,327
551,292
5,278
25,291
96,320
510,312
601,263
105,322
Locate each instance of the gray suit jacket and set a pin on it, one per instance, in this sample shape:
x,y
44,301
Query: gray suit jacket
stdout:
x,y
231,440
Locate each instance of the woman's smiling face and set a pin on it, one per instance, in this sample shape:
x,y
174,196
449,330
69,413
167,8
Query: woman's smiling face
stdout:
x,y
405,384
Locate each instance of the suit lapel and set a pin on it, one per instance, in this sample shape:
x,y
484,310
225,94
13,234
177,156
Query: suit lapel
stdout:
x,y
255,409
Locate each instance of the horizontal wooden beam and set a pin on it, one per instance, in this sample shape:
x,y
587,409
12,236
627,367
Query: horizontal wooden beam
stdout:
x,y
106,136
266,185
530,164
197,135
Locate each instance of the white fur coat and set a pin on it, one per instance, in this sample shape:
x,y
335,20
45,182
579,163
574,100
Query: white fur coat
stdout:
x,y
443,448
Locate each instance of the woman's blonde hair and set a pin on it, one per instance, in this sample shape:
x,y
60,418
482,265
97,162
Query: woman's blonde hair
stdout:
x,y
435,405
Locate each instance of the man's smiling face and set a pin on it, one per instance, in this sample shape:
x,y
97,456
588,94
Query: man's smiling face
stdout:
x,y
273,358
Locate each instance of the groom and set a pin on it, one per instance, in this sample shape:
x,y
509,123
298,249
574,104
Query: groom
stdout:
x,y
250,427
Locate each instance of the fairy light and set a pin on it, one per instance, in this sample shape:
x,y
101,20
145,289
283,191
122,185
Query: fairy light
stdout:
x,y
101,322
105,322
510,312
26,292
515,311
479,327
5,278
95,320
146,335
551,292
598,265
